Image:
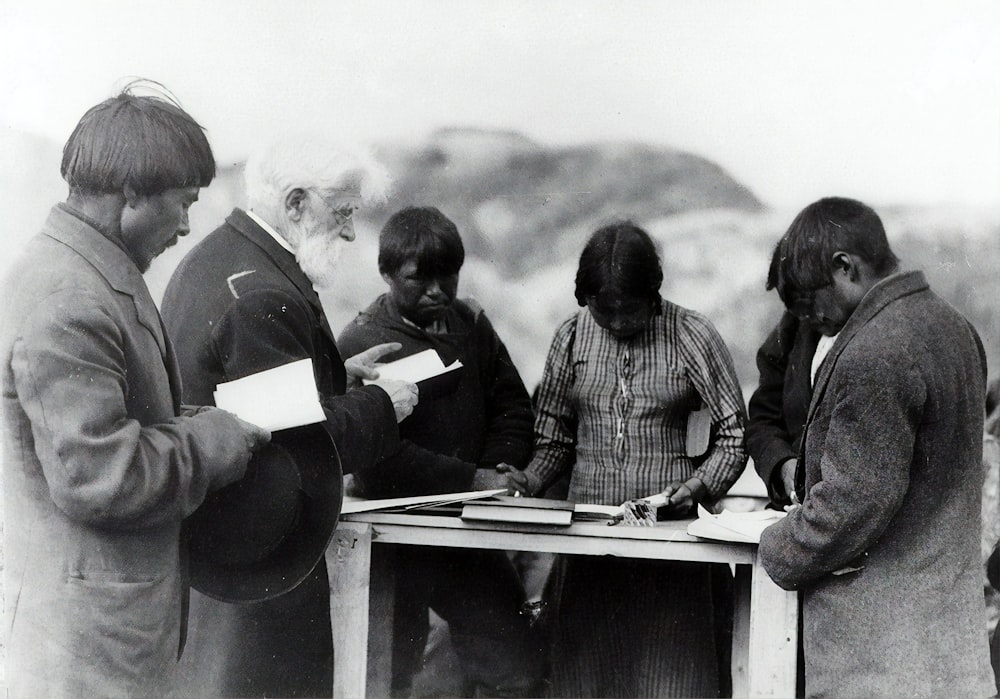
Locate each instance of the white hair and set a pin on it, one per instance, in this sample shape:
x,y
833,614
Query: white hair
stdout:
x,y
310,161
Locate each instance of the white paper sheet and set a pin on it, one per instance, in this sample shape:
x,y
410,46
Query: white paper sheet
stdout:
x,y
733,526
275,399
416,367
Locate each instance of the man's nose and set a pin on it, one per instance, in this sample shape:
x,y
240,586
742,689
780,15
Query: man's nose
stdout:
x,y
347,231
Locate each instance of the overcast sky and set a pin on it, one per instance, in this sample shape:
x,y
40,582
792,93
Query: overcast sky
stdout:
x,y
891,102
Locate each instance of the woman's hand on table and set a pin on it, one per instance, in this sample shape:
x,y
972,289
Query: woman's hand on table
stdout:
x,y
682,498
677,501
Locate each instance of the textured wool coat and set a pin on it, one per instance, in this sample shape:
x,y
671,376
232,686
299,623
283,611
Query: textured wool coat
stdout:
x,y
99,471
886,544
237,304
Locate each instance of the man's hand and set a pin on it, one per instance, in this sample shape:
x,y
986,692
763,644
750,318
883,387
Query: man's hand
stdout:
x,y
403,394
364,365
519,482
788,467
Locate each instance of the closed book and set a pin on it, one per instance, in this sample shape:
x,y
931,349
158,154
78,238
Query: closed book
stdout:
x,y
506,508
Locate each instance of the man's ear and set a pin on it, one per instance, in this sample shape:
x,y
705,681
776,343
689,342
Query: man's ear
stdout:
x,y
386,278
131,196
845,263
295,204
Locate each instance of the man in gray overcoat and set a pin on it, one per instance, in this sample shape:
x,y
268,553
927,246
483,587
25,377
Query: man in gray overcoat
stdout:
x,y
885,546
101,463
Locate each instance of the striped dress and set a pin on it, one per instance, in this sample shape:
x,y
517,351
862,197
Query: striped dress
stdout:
x,y
614,414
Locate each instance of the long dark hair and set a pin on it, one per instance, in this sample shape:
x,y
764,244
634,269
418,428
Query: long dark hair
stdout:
x,y
619,258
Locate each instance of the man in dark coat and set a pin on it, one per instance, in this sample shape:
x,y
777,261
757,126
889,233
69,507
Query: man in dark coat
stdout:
x,y
885,545
469,422
243,301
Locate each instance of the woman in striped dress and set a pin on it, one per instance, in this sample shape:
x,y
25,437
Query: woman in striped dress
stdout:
x,y
622,378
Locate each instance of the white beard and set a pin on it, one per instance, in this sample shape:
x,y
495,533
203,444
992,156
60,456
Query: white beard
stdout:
x,y
319,255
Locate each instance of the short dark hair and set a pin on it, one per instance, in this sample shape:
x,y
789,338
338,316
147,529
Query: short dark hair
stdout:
x,y
144,142
619,258
801,261
424,234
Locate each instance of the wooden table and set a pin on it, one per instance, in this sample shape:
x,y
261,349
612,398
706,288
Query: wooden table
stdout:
x,y
765,625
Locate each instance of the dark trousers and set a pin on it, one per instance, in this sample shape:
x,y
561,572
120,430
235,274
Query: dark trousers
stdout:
x,y
278,648
480,596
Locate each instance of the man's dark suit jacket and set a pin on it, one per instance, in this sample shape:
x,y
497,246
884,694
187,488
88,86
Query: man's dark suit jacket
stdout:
x,y
237,304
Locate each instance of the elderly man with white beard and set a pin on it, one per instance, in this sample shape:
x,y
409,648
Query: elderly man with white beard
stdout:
x,y
242,301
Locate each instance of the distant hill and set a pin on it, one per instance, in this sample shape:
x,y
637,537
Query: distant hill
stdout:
x,y
507,193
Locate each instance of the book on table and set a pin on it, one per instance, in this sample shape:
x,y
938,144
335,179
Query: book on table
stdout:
x,y
507,508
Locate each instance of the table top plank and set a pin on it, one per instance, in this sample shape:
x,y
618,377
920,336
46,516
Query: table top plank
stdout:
x,y
667,540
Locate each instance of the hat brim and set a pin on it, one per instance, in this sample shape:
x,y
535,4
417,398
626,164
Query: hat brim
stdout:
x,y
313,452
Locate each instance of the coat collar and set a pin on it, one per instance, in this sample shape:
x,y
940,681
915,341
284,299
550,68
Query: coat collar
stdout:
x,y
111,261
885,292
282,259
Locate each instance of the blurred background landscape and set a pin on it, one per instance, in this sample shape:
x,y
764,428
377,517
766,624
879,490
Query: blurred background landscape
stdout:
x,y
525,210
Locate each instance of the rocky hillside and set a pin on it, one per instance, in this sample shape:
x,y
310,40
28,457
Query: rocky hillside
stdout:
x,y
524,207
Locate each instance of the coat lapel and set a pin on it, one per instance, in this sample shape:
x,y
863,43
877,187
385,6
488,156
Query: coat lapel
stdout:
x,y
878,297
122,275
283,260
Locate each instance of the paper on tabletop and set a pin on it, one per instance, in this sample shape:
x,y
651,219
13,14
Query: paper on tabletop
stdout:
x,y
733,526
353,504
415,368
275,399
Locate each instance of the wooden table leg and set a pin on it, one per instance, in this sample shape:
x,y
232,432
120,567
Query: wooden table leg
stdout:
x,y
741,632
773,637
348,559
381,599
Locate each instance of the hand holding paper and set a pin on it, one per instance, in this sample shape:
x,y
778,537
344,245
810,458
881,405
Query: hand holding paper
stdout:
x,y
364,365
415,368
275,399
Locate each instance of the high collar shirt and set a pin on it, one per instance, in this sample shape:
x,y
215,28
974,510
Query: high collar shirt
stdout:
x,y
269,229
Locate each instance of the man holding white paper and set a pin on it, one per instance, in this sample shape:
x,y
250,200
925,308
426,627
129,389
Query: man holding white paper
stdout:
x,y
470,420
241,302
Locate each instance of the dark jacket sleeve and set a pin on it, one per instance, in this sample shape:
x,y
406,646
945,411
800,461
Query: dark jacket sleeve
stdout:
x,y
411,469
775,426
268,328
509,414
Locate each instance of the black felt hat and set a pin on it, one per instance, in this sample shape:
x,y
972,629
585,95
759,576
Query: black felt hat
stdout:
x,y
261,536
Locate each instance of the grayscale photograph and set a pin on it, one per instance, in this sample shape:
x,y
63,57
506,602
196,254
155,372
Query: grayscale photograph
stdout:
x,y
431,349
